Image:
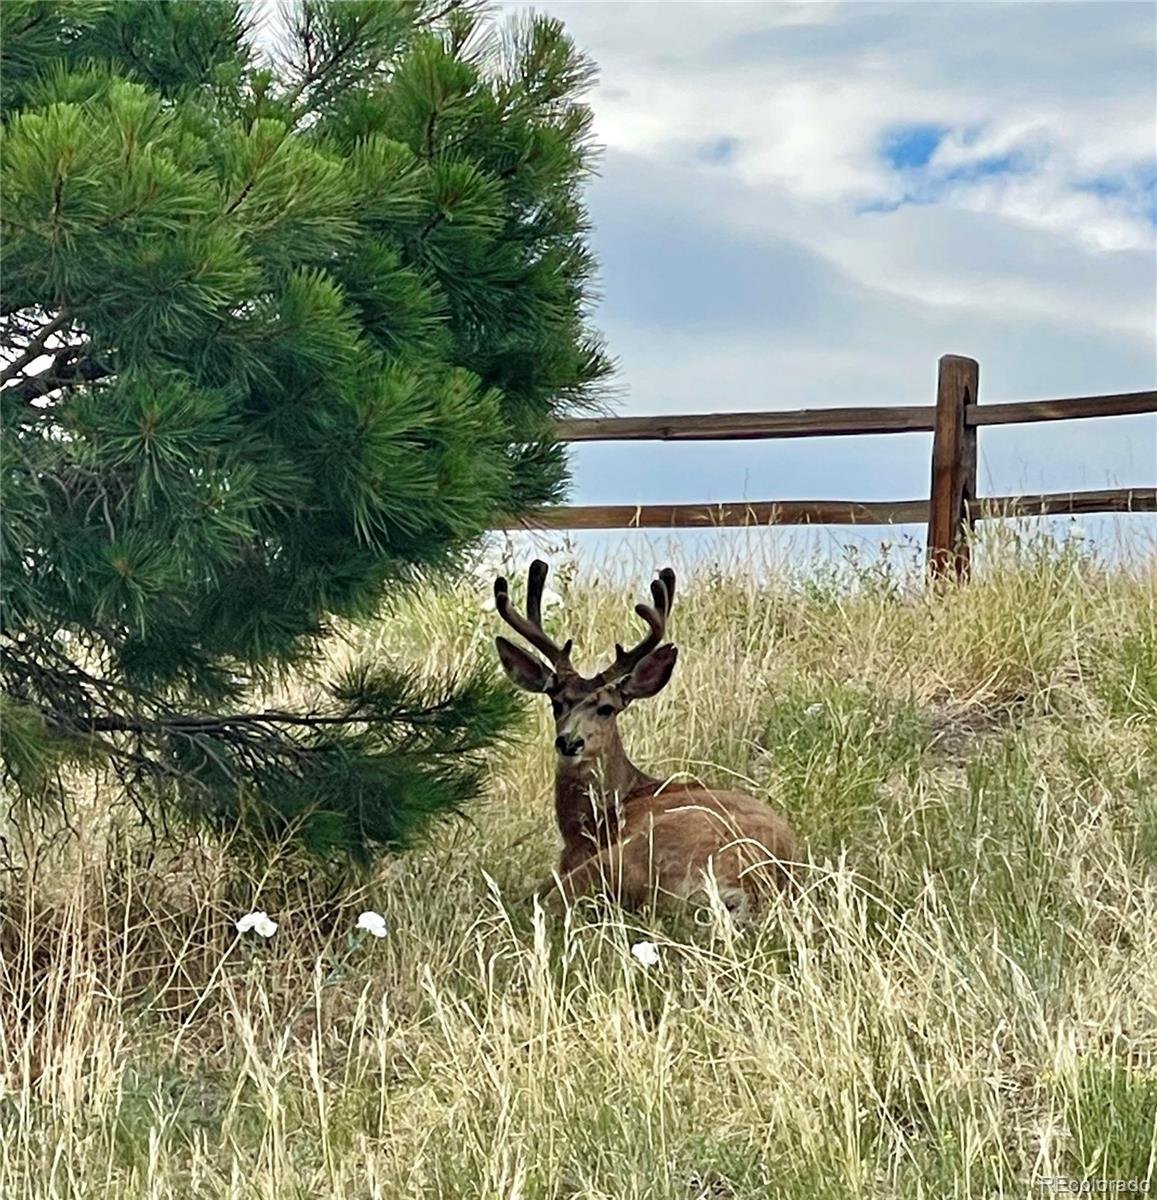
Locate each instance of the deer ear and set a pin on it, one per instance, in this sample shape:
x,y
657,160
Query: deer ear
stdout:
x,y
524,670
651,675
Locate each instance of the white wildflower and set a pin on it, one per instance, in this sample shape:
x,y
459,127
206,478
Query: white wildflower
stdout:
x,y
647,953
373,923
259,922
813,710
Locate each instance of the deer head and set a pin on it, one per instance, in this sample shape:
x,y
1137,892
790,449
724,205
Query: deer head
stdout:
x,y
586,710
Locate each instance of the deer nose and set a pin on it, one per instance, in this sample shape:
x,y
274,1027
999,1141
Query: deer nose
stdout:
x,y
570,746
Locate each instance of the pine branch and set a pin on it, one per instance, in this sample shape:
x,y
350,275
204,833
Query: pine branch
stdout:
x,y
35,348
68,699
66,682
433,18
62,373
316,74
222,724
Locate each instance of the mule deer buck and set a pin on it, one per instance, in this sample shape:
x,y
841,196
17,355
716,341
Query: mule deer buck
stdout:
x,y
625,832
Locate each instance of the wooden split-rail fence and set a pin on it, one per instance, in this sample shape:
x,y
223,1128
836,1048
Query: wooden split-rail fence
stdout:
x,y
952,506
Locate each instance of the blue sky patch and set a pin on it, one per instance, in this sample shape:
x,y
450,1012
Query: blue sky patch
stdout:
x,y
1137,189
910,147
891,205
909,150
1015,163
720,150
1104,187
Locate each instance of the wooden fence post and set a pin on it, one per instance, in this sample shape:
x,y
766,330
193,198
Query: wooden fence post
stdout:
x,y
950,515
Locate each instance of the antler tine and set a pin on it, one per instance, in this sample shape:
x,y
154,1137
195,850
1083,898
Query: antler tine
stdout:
x,y
535,581
530,626
663,594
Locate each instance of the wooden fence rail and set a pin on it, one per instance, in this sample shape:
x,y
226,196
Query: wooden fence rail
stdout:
x,y
831,512
835,422
951,508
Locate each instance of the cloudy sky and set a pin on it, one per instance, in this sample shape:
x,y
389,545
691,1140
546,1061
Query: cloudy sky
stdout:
x,y
806,204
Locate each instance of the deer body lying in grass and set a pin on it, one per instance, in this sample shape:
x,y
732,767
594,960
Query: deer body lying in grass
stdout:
x,y
626,833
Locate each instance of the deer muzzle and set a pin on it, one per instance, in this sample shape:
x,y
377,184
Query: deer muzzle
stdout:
x,y
569,745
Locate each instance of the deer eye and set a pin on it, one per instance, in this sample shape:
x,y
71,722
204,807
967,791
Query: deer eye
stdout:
x,y
556,707
605,710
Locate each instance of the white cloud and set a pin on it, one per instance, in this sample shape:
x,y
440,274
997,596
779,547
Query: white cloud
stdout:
x,y
806,94
1095,222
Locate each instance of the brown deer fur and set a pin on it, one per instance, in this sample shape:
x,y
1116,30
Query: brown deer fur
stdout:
x,y
626,833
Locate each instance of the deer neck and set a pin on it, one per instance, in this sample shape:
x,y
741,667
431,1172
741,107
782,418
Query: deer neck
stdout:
x,y
589,794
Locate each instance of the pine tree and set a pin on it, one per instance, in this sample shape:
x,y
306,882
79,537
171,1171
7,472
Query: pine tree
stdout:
x,y
280,335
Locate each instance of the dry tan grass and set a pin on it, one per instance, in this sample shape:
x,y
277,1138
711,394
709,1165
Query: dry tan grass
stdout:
x,y
962,1002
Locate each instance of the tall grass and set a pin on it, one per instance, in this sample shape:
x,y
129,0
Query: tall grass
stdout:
x,y
961,1002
